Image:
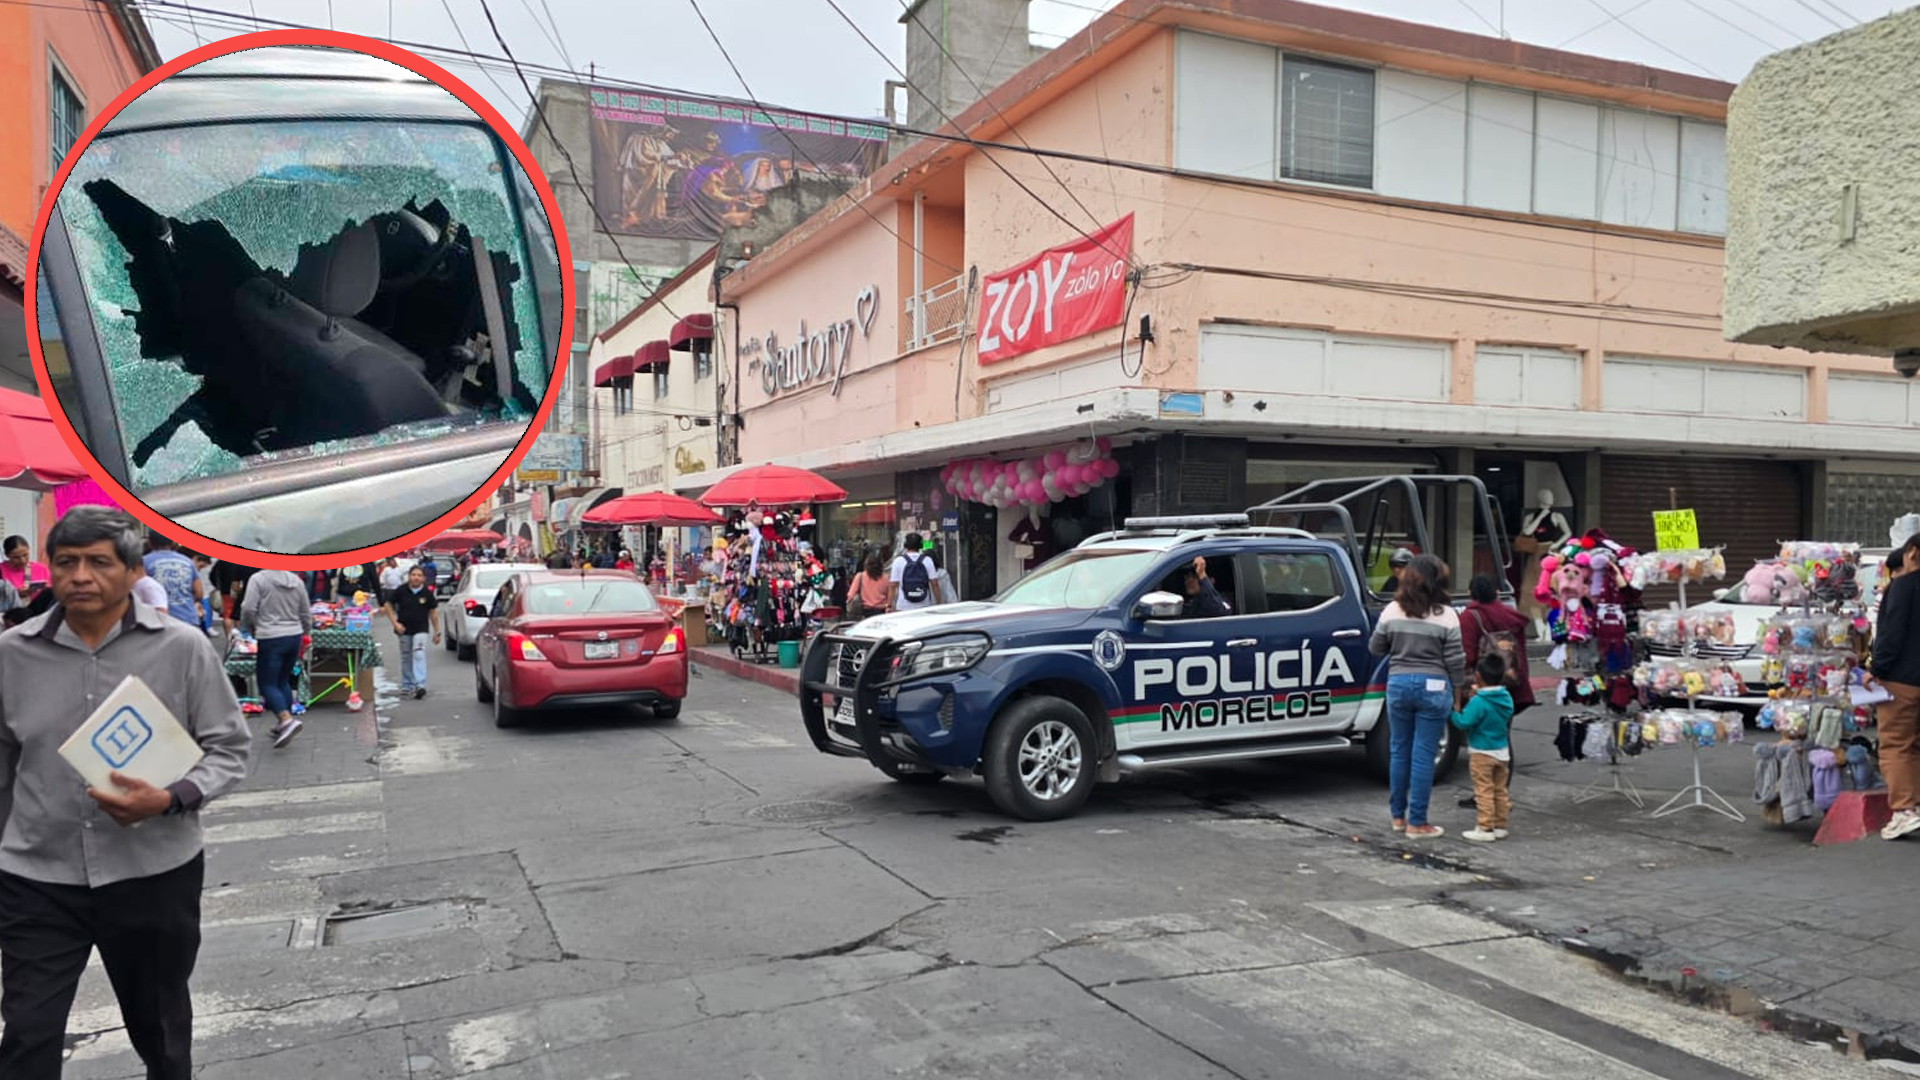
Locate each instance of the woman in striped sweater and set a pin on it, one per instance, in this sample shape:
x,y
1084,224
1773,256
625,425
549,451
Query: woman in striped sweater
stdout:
x,y
1419,633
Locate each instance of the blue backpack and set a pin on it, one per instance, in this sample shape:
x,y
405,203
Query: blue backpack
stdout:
x,y
915,583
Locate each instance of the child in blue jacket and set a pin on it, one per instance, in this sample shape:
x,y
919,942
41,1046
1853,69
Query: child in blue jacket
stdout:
x,y
1486,718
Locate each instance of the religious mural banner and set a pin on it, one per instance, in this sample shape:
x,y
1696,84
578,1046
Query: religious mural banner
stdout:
x,y
687,168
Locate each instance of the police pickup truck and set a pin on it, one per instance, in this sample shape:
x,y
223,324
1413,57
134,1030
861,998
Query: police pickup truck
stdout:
x,y
1100,663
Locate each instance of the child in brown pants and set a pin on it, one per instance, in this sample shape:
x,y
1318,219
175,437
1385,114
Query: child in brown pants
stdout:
x,y
1485,719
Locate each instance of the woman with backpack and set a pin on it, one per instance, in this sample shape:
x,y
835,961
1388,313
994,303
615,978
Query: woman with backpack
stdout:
x,y
1487,625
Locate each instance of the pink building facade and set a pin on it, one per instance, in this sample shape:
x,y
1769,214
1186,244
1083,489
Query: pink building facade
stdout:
x,y
1359,246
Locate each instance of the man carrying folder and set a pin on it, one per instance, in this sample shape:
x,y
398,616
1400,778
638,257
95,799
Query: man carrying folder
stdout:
x,y
118,866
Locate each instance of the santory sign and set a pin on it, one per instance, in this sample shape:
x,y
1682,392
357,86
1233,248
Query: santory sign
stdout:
x,y
822,354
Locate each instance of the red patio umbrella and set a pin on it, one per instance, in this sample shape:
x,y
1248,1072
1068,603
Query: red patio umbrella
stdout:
x,y
32,454
651,508
773,485
462,539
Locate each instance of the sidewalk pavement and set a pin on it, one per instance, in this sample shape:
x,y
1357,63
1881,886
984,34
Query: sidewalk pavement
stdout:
x,y
1740,915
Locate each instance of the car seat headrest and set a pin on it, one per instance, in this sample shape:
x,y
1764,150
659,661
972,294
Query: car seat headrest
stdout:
x,y
340,276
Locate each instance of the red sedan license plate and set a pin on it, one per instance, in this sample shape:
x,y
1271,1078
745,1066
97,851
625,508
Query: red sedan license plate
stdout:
x,y
602,650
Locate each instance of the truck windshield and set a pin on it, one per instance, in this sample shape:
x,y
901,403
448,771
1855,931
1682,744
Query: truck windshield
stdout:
x,y
276,290
1087,579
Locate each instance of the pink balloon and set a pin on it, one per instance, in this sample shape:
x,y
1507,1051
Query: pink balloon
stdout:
x,y
1104,445
1055,459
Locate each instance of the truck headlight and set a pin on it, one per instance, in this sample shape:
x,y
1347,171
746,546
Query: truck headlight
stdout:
x,y
939,655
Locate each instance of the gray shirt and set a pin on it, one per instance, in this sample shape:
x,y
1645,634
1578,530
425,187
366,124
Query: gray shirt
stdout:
x,y
1428,646
276,605
51,830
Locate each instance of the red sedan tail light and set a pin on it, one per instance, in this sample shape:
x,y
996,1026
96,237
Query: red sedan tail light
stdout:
x,y
476,608
673,642
521,647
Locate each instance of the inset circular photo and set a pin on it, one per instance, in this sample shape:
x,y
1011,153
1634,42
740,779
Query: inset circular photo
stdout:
x,y
300,299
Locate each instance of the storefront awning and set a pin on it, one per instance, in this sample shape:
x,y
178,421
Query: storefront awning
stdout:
x,y
577,508
695,328
607,373
557,513
653,356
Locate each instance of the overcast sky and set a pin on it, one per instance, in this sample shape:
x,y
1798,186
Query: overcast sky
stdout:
x,y
800,54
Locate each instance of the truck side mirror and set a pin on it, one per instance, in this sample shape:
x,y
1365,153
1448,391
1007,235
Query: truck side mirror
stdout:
x,y
1160,605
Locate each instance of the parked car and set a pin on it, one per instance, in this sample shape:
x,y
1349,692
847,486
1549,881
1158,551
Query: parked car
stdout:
x,y
1743,653
299,299
578,639
472,598
1091,666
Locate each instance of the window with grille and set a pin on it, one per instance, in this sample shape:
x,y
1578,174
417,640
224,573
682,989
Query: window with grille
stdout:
x,y
68,118
702,360
659,383
1326,125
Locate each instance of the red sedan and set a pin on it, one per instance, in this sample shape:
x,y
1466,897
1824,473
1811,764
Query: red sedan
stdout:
x,y
578,639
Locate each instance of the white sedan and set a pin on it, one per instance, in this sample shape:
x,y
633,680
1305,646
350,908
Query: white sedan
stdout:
x,y
465,612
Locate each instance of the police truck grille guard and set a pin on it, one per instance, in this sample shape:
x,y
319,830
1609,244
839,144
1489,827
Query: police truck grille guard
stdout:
x,y
860,670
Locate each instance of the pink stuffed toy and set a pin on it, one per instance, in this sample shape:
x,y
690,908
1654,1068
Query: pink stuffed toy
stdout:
x,y
1543,589
1757,586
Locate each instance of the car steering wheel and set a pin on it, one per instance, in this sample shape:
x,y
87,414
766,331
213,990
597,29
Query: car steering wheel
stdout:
x,y
411,247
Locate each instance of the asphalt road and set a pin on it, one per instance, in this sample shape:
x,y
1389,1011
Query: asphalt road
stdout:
x,y
604,896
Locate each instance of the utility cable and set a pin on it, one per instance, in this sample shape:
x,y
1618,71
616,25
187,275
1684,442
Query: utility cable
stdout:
x,y
1126,257
907,7
572,168
858,201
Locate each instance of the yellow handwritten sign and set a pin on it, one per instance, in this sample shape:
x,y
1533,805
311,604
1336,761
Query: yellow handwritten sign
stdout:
x,y
1675,530
537,476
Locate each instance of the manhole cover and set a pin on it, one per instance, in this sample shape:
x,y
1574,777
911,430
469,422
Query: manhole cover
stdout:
x,y
801,810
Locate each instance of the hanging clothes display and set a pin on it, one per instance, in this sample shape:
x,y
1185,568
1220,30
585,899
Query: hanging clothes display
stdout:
x,y
770,582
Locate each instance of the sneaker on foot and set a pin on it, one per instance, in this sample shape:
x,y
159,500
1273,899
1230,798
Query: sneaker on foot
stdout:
x,y
1399,824
420,693
284,733
1904,822
1500,834
1424,832
1480,836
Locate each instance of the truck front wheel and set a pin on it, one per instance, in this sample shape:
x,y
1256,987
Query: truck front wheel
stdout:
x,y
1040,761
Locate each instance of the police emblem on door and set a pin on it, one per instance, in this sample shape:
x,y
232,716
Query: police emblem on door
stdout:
x,y
1109,650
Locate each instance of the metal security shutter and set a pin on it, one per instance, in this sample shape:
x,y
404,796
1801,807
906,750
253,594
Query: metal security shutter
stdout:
x,y
1748,507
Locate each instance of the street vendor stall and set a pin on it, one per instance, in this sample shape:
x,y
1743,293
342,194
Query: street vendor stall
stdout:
x,y
772,584
341,655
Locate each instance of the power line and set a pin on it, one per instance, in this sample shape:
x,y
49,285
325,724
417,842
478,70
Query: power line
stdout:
x,y
907,6
1266,187
1770,21
1126,257
572,168
1475,12
858,202
1649,39
1831,21
1697,5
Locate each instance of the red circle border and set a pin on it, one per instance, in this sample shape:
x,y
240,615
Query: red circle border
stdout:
x,y
373,552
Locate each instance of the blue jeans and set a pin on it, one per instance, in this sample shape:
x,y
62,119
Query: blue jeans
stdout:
x,y
1417,721
273,670
413,661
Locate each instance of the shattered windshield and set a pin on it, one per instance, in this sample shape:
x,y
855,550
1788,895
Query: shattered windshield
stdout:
x,y
281,290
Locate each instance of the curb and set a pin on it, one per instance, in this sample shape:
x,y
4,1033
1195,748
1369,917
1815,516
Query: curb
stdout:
x,y
785,680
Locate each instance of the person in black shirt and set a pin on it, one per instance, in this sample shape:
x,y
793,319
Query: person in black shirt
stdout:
x,y
230,581
1896,663
414,611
